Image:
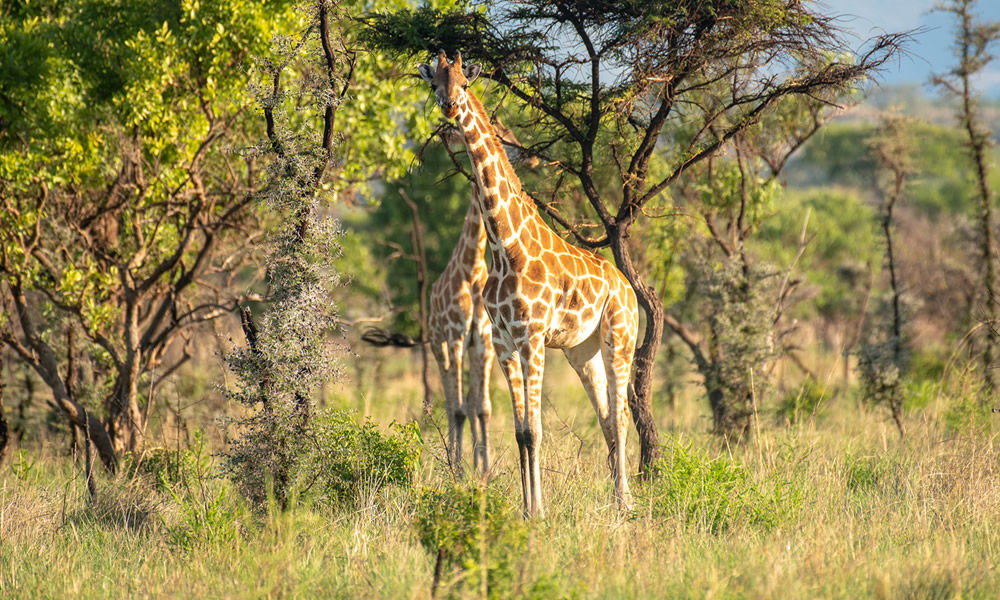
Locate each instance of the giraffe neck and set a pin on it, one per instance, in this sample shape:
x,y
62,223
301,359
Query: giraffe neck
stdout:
x,y
506,215
471,246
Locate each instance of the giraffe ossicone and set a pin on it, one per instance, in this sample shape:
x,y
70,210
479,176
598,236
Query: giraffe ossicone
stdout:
x,y
542,292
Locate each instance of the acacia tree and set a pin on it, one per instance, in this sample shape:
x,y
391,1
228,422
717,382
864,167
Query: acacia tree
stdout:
x,y
972,48
625,97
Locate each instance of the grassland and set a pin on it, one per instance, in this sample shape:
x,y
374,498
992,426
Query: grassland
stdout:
x,y
835,505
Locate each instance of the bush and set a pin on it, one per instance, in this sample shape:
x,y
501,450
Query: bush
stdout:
x,y
802,402
329,459
352,459
166,468
209,515
716,494
471,529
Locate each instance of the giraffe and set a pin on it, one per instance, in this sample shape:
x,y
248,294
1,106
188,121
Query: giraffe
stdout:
x,y
458,322
542,292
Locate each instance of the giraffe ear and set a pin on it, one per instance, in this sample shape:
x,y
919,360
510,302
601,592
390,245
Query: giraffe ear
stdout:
x,y
426,72
471,71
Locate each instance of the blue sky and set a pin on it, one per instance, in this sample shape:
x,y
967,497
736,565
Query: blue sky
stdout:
x,y
931,51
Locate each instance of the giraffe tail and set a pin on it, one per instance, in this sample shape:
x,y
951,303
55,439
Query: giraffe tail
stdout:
x,y
382,338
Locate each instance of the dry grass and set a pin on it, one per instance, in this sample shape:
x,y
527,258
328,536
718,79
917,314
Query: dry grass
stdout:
x,y
878,517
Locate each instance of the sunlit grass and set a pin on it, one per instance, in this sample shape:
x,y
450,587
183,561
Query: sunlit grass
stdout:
x,y
872,516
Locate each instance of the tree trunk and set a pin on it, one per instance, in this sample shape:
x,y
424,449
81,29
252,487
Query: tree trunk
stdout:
x,y
987,250
125,420
419,256
89,461
4,430
641,387
42,359
895,402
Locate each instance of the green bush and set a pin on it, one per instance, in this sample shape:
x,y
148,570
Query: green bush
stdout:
x,y
802,402
352,458
717,493
165,468
967,413
328,459
470,530
209,516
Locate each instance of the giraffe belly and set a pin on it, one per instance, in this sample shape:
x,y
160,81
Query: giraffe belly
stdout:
x,y
570,329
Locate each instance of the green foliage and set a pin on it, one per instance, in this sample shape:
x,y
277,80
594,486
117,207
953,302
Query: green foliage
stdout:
x,y
924,378
23,466
866,473
210,516
165,468
942,184
803,402
357,459
442,204
875,474
970,412
842,245
723,192
715,494
472,529
738,309
329,459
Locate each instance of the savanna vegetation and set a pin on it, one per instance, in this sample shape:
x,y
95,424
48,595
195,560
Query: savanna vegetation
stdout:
x,y
206,205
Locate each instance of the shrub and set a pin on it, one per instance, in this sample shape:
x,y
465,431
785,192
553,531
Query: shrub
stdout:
x,y
882,367
164,468
471,529
353,459
804,401
330,459
208,512
717,493
209,515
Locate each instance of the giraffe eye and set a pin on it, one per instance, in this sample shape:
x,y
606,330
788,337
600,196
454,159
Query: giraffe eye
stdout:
x,y
434,87
465,86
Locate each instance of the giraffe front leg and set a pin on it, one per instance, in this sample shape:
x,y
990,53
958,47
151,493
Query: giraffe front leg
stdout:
x,y
510,364
533,366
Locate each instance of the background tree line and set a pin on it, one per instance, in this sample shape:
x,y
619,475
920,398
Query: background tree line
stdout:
x,y
742,215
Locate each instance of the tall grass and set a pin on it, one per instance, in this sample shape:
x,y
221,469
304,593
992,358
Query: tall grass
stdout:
x,y
833,506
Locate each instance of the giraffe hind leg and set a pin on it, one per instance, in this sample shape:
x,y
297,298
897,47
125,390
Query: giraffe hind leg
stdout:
x,y
617,349
451,380
479,409
588,362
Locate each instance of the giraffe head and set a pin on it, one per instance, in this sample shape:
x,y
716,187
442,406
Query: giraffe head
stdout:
x,y
449,81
